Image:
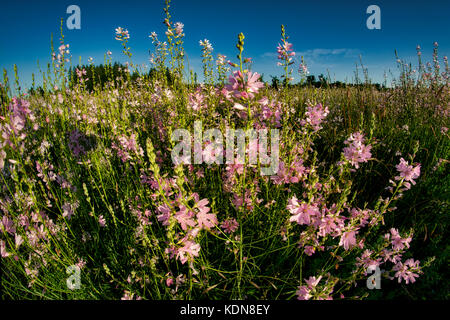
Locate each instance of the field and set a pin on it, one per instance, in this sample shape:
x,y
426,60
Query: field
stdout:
x,y
348,199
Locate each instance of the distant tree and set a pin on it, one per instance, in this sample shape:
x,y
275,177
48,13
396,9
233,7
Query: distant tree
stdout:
x,y
99,75
310,80
323,81
275,82
261,78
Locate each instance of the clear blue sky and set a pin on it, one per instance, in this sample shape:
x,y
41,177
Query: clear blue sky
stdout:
x,y
330,34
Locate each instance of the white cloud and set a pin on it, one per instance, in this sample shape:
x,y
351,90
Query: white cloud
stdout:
x,y
321,53
269,55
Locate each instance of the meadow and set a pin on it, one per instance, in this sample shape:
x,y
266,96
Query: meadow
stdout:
x,y
94,207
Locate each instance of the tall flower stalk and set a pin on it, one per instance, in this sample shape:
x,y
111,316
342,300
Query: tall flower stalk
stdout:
x,y
285,54
207,60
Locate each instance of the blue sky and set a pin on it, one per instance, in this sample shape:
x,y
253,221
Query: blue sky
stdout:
x,y
329,34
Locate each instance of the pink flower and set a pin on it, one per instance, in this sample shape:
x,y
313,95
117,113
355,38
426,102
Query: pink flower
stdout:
x,y
127,295
102,221
197,100
407,172
244,85
303,69
229,225
366,261
398,243
315,116
221,60
75,145
235,81
309,250
282,175
348,239
301,213
169,281
205,219
212,153
8,225
178,28
122,34
357,152
2,159
327,226
206,45
67,210
81,263
237,200
3,251
127,145
285,51
190,249
185,218
407,271
303,293
18,240
165,214
253,83
312,282
23,221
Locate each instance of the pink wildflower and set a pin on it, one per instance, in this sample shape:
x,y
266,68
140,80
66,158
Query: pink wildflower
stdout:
x,y
102,221
67,210
253,83
8,225
348,239
399,243
127,295
169,281
407,271
407,172
190,249
285,51
312,282
315,116
309,250
303,293
244,85
301,213
122,34
18,240
366,261
179,28
3,251
205,219
185,218
197,100
81,263
357,152
230,225
165,214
